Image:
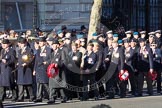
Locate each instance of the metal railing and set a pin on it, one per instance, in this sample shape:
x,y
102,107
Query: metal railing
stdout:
x,y
134,14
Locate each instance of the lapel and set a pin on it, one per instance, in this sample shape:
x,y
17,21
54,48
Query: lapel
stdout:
x,y
5,54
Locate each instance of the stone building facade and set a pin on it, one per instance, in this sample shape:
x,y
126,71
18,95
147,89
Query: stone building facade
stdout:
x,y
58,12
49,13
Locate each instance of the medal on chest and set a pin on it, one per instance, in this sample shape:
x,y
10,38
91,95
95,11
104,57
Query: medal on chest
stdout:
x,y
75,58
116,55
127,53
145,53
57,60
90,61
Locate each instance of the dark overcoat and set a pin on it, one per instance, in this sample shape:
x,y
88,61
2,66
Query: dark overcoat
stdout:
x,y
6,75
39,67
25,72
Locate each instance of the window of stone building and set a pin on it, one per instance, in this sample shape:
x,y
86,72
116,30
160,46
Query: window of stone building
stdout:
x,y
17,15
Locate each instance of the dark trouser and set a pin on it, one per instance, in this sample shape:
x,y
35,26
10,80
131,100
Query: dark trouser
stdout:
x,y
40,88
122,85
1,104
75,82
53,91
99,74
110,87
111,83
91,78
34,85
132,78
111,79
158,69
69,79
21,91
3,90
141,82
158,80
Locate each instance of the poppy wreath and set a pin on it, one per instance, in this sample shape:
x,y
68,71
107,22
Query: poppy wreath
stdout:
x,y
52,70
124,76
152,75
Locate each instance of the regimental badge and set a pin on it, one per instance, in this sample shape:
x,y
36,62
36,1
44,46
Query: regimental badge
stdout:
x,y
109,53
127,55
90,61
145,52
7,57
156,56
116,55
43,54
145,55
57,59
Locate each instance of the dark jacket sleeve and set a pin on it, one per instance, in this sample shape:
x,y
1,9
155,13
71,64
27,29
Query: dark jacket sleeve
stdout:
x,y
105,52
50,58
122,58
36,60
48,55
79,56
63,57
12,58
100,58
131,56
151,59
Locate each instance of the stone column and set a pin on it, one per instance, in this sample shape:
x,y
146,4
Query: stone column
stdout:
x,y
95,17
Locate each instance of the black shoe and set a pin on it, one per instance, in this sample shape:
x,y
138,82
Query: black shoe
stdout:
x,y
20,100
31,100
139,95
129,92
51,102
79,98
84,98
150,94
159,92
96,98
63,101
38,100
134,93
123,96
110,96
13,100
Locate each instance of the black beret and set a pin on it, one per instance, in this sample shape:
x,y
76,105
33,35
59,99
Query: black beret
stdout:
x,y
142,40
55,42
22,40
133,40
